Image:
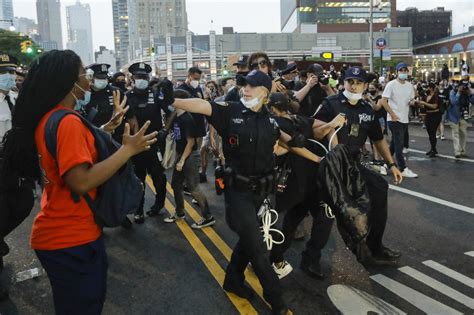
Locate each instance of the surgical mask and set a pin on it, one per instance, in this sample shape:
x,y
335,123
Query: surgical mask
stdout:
x,y
250,104
7,81
355,97
403,76
100,84
141,84
194,84
80,103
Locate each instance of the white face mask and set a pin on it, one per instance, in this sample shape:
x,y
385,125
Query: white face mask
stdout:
x,y
7,81
100,84
194,84
141,84
250,104
354,97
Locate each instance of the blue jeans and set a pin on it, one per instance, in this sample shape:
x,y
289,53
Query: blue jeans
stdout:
x,y
78,277
399,130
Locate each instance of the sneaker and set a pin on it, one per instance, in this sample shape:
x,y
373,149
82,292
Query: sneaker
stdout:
x,y
383,171
139,218
186,191
194,201
438,136
405,151
408,173
203,223
443,137
173,218
282,269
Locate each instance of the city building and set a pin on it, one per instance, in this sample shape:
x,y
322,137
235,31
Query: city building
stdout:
x,y
120,18
25,26
452,50
327,16
106,56
213,53
49,24
6,14
149,19
427,25
79,31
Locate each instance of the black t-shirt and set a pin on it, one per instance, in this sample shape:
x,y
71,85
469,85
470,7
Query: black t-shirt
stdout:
x,y
311,102
248,137
199,119
381,113
184,127
361,121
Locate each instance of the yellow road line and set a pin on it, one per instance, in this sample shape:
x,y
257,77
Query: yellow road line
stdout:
x,y
242,305
250,276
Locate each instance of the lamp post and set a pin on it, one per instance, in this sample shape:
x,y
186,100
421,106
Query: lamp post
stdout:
x,y
371,34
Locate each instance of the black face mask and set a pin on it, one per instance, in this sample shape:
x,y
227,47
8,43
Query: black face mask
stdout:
x,y
120,85
239,78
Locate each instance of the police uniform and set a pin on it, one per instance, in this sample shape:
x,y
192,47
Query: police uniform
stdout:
x,y
362,123
248,140
100,109
144,106
7,100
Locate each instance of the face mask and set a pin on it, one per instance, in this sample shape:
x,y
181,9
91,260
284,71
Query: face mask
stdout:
x,y
194,84
100,84
354,97
141,84
7,81
372,92
403,76
120,85
251,103
80,103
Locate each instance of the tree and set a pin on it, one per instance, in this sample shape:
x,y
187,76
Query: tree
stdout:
x,y
10,43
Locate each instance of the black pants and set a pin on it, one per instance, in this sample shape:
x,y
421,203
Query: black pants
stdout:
x,y
432,121
78,277
241,207
148,163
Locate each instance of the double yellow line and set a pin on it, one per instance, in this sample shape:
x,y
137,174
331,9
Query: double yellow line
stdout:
x,y
242,305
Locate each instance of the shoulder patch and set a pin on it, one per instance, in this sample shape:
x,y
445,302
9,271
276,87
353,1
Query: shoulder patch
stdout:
x,y
222,103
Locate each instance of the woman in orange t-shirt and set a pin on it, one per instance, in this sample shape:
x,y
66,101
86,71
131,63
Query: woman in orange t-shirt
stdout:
x,y
65,236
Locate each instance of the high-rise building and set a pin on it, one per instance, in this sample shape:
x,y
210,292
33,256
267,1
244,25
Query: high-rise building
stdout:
x,y
150,19
6,14
427,25
326,16
120,16
49,24
25,26
106,56
79,31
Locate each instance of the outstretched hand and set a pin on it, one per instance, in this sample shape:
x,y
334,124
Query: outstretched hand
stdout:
x,y
139,142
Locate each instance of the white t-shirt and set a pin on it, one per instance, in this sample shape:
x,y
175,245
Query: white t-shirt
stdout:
x,y
5,113
399,95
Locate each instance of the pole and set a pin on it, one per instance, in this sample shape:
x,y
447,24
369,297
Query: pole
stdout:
x,y
381,58
371,35
152,55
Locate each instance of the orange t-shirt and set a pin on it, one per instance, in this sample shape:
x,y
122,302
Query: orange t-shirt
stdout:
x,y
62,223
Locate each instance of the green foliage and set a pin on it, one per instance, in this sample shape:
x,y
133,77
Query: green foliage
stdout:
x,y
10,44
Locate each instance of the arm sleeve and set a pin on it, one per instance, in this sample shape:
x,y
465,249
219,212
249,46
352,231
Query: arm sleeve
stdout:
x,y
220,116
73,144
325,113
375,131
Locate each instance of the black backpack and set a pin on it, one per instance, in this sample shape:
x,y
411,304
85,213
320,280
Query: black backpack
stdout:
x,y
119,195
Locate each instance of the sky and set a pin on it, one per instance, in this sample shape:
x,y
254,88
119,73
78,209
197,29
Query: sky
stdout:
x,y
262,16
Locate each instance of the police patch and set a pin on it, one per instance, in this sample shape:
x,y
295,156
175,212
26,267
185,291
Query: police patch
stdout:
x,y
104,68
355,71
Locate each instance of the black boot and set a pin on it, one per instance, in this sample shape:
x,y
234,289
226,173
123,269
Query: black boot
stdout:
x,y
126,223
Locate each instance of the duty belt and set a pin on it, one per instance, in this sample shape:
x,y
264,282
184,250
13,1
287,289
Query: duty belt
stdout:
x,y
256,184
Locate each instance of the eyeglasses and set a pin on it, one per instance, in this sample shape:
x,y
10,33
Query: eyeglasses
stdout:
x,y
262,63
89,74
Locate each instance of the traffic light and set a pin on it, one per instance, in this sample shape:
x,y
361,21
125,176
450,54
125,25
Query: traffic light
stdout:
x,y
225,72
26,47
327,55
152,51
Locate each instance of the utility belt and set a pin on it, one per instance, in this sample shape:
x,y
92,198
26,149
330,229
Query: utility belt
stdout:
x,y
228,178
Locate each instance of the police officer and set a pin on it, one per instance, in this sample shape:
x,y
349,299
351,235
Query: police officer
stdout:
x,y
361,123
249,135
100,108
145,105
242,70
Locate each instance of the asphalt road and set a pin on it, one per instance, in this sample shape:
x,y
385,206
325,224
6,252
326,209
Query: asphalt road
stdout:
x,y
160,268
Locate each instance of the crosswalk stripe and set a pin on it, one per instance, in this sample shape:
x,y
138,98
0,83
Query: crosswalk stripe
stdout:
x,y
433,199
450,273
444,156
438,286
470,253
419,300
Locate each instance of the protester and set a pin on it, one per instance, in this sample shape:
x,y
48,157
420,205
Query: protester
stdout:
x,y
459,98
433,116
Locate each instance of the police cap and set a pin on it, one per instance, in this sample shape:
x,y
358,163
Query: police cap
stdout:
x,y
356,73
289,69
258,78
139,68
99,68
8,62
242,61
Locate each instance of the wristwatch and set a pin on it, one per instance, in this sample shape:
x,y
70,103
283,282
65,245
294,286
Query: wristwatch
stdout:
x,y
392,165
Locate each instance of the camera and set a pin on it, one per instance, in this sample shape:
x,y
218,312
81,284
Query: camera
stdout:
x,y
323,78
289,85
